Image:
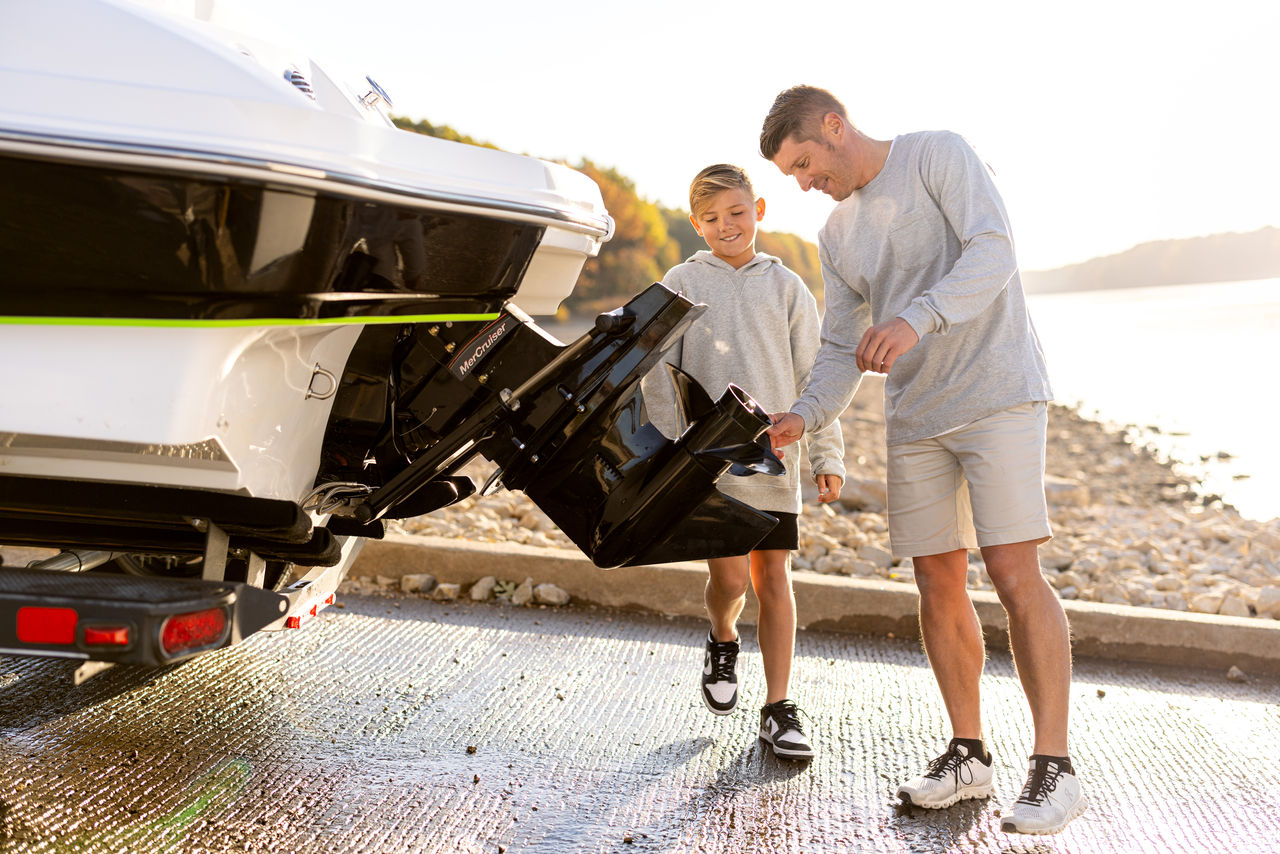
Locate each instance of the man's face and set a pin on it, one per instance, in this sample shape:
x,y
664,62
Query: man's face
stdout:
x,y
818,165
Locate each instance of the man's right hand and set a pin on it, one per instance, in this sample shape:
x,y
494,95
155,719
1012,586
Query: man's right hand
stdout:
x,y
787,428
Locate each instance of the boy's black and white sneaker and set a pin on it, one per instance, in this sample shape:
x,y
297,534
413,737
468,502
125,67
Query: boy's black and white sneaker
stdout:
x,y
780,729
1049,800
961,773
720,675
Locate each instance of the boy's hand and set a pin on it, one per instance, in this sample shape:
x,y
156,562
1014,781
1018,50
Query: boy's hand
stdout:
x,y
828,487
787,428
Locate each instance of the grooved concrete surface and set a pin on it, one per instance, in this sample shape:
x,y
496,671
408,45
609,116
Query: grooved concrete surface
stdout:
x,y
357,734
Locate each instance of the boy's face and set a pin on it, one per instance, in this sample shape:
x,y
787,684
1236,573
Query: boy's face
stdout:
x,y
728,223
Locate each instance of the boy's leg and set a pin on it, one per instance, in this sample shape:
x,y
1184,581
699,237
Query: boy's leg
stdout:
x,y
780,725
726,594
776,629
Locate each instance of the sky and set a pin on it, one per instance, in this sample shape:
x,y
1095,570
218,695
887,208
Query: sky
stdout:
x,y
1107,124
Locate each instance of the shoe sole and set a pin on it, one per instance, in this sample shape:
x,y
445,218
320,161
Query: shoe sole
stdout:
x,y
785,753
974,793
1008,825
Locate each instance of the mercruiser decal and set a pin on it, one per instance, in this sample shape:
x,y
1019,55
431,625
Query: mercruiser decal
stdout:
x,y
474,351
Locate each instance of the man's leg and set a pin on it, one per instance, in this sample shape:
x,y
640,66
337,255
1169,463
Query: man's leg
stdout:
x,y
952,637
953,643
1038,637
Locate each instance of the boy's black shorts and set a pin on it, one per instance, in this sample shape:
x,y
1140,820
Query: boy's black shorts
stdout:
x,y
785,534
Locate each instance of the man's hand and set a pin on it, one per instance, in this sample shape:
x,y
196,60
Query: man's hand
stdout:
x,y
787,428
828,487
883,343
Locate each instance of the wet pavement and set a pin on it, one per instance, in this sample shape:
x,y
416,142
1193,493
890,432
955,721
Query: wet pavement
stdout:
x,y
395,725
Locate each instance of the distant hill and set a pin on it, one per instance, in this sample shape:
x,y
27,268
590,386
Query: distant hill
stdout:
x,y
1231,257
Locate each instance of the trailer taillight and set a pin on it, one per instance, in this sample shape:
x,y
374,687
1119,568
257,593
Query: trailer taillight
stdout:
x,y
47,625
196,630
106,635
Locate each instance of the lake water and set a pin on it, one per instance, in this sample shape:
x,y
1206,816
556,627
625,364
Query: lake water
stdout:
x,y
1198,362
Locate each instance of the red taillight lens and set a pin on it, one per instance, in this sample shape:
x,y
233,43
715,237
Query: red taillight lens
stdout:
x,y
106,635
47,625
199,629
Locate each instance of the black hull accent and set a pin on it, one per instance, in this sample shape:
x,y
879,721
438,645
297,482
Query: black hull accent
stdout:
x,y
131,517
95,242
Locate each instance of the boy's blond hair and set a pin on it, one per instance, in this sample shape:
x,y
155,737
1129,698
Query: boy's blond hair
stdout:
x,y
715,179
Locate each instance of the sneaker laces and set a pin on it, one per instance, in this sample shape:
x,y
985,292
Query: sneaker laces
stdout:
x,y
786,715
723,657
952,762
1042,780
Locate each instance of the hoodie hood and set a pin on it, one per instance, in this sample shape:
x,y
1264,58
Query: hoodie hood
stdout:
x,y
757,266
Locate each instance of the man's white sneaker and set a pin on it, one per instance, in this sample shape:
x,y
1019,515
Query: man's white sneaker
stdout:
x,y
954,776
720,675
1049,800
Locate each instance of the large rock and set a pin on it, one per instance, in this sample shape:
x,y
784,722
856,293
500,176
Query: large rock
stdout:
x,y
420,582
523,594
550,594
483,589
1061,490
869,495
875,554
1269,602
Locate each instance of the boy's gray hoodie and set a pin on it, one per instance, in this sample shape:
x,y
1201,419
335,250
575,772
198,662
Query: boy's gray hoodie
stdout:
x,y
760,332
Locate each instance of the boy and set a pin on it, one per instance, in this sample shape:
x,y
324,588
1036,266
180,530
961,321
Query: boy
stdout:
x,y
760,331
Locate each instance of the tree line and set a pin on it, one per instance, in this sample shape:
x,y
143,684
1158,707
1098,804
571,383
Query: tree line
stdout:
x,y
648,239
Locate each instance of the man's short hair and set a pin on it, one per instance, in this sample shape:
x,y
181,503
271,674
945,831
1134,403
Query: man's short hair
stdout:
x,y
797,112
714,179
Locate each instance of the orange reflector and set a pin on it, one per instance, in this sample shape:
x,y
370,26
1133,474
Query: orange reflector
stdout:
x,y
47,625
106,635
185,632
293,623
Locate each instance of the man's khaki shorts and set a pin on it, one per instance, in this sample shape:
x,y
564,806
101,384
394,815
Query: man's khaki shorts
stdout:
x,y
979,485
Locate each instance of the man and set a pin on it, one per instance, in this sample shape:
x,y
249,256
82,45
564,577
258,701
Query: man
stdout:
x,y
922,285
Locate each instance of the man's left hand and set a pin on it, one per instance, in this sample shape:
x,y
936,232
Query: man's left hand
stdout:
x,y
883,343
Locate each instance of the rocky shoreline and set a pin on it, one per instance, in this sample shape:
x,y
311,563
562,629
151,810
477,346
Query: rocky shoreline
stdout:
x,y
1130,528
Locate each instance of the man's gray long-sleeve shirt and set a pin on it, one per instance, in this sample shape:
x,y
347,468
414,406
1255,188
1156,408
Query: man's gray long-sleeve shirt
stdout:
x,y
760,332
927,240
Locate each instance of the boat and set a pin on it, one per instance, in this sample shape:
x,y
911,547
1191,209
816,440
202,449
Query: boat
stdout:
x,y
246,321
